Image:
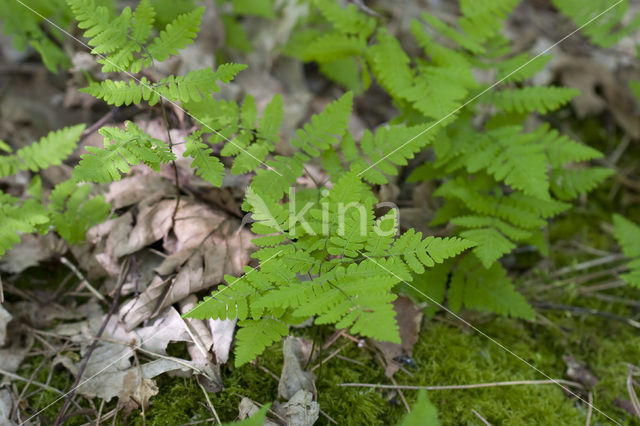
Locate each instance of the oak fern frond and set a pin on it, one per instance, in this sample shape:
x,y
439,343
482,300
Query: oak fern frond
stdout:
x,y
122,149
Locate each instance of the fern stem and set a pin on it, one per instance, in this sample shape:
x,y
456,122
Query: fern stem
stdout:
x,y
173,164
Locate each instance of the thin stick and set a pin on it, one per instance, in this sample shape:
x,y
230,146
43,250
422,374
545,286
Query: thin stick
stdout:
x,y
331,355
472,386
328,417
632,392
588,264
404,400
81,277
33,382
211,407
98,123
482,419
590,409
94,344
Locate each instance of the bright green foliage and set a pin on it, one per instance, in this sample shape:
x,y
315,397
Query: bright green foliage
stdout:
x,y
533,99
192,87
336,263
423,413
26,25
18,217
125,42
473,286
482,21
601,20
128,43
122,148
73,213
208,167
50,150
628,235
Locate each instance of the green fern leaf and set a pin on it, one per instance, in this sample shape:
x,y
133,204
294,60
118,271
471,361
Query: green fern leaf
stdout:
x,y
122,148
347,21
18,218
533,99
489,289
325,128
254,337
176,35
491,244
209,168
51,149
73,212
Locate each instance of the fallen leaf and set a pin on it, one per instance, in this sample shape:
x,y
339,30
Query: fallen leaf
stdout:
x,y
6,407
5,318
300,410
30,251
293,378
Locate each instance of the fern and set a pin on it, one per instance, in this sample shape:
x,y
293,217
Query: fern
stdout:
x,y
50,150
26,27
533,99
125,40
208,167
72,213
628,235
601,20
194,86
19,217
476,287
353,263
122,149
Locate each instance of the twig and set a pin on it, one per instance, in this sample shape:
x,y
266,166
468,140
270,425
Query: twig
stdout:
x,y
331,355
482,419
586,311
269,372
328,417
588,264
589,409
211,407
471,386
632,392
351,360
94,344
404,400
81,277
22,379
98,123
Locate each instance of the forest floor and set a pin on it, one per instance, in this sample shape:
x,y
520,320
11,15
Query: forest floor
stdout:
x,y
588,337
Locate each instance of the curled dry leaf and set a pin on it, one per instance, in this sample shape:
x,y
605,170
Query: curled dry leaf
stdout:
x,y
224,252
293,378
134,189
